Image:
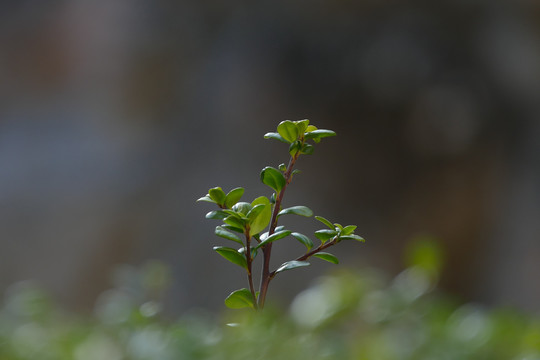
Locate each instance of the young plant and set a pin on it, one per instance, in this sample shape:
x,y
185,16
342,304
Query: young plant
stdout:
x,y
245,223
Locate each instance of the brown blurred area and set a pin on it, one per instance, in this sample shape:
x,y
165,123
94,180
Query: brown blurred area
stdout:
x,y
115,116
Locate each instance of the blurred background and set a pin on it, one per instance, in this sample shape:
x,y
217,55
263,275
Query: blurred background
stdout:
x,y
115,116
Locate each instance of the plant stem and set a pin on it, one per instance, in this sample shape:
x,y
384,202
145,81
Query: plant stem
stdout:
x,y
311,253
249,261
267,249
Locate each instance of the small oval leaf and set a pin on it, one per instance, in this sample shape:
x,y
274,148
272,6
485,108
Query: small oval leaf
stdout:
x,y
302,126
261,221
217,195
233,197
275,236
327,257
232,255
217,214
233,228
348,230
234,221
297,210
353,237
275,136
239,299
206,198
325,234
295,147
303,239
307,149
288,130
242,207
273,177
289,265
221,232
255,211
325,222
319,134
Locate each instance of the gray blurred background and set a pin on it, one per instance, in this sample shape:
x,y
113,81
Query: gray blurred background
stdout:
x,y
116,115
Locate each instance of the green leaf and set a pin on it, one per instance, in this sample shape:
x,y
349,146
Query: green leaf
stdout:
x,y
217,214
319,134
233,197
217,195
303,239
275,236
234,221
220,231
295,147
282,167
339,227
288,130
242,207
352,237
275,136
302,126
311,128
297,210
262,219
307,149
273,177
260,200
232,212
325,222
325,234
232,255
327,257
239,299
206,198
254,212
349,229
233,228
289,265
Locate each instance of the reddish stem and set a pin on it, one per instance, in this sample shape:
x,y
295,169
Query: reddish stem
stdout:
x,y
267,249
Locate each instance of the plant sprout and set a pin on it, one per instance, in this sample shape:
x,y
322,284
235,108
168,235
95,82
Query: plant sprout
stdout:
x,y
254,225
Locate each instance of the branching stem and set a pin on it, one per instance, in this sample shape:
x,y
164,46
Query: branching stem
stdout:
x,y
311,253
267,249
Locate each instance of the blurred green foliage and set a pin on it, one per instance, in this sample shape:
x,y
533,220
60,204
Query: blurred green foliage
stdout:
x,y
347,315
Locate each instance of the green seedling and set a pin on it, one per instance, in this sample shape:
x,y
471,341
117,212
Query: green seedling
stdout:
x,y
254,225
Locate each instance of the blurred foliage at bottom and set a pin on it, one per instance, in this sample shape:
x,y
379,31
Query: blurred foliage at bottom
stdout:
x,y
348,315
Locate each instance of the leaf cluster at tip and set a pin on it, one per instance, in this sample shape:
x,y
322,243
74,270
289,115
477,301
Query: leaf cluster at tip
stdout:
x,y
217,196
336,231
295,133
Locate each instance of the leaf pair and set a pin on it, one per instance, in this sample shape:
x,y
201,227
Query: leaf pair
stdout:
x,y
336,231
292,131
217,196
